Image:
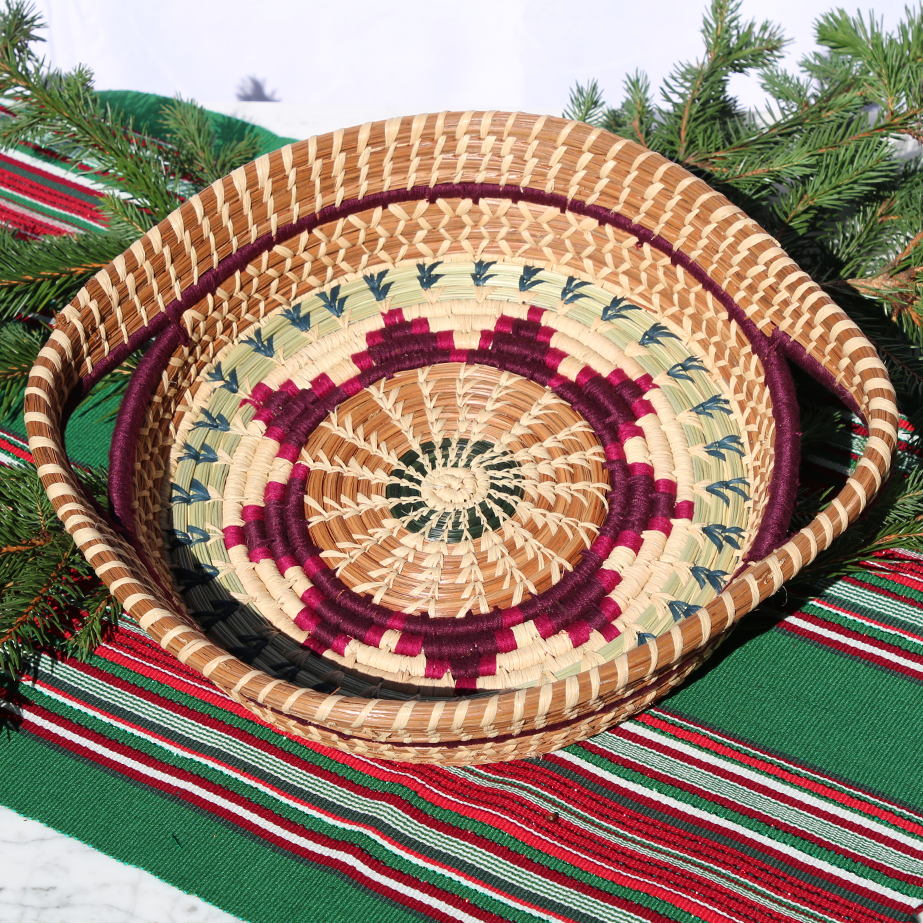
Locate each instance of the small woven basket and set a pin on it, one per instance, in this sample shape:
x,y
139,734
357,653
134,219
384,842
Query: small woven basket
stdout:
x,y
462,437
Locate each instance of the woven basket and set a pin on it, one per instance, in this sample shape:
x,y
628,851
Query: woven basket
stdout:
x,y
462,437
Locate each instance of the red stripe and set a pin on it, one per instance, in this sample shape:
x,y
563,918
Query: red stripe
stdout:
x,y
773,793
27,223
850,632
14,449
773,823
62,181
884,591
826,606
158,674
869,657
709,743
740,744
91,750
39,192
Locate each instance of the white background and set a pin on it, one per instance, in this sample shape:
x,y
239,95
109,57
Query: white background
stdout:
x,y
377,59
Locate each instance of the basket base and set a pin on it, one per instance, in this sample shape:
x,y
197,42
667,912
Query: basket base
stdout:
x,y
472,752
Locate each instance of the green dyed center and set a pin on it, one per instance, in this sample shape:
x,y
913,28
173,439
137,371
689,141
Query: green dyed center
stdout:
x,y
456,491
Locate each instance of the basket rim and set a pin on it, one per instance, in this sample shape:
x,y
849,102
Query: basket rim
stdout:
x,y
55,378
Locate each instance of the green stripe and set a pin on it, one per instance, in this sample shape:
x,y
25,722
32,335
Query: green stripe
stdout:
x,y
802,772
817,708
141,826
146,110
876,605
876,580
854,622
61,217
49,180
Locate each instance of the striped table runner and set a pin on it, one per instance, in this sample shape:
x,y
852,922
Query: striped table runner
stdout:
x,y
784,783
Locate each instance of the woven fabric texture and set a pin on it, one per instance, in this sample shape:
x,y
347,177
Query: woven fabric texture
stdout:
x,y
779,785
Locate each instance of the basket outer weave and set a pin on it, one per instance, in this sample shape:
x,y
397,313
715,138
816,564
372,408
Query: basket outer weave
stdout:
x,y
107,320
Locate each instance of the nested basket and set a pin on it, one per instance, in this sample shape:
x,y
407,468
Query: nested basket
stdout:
x,y
461,437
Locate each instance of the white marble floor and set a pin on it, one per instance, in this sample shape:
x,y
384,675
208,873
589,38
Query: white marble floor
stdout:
x,y
46,877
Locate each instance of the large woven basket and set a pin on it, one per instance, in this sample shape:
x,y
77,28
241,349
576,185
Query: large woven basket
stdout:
x,y
462,437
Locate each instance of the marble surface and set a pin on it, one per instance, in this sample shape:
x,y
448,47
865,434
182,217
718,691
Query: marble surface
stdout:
x,y
46,877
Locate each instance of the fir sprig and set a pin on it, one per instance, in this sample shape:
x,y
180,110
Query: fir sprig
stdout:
x,y
60,111
50,598
19,347
40,276
818,167
586,103
146,179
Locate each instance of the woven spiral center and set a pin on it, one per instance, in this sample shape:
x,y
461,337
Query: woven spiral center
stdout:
x,y
452,489
457,491
466,497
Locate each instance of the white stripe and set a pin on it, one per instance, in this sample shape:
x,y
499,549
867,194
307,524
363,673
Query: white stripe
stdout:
x,y
80,179
914,665
848,592
772,782
736,829
701,868
741,794
878,626
502,869
806,773
254,819
46,219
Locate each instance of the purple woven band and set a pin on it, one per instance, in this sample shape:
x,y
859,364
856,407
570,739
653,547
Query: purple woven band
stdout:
x,y
772,350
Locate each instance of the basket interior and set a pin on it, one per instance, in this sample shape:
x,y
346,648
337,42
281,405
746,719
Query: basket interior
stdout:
x,y
447,526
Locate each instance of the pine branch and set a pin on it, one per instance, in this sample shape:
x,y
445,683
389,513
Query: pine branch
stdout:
x,y
200,157
818,170
19,347
51,598
60,111
585,104
41,276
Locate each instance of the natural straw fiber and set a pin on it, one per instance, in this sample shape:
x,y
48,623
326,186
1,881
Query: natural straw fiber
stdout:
x,y
461,438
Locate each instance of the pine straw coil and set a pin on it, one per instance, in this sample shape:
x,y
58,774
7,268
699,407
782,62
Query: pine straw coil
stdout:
x,y
461,437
